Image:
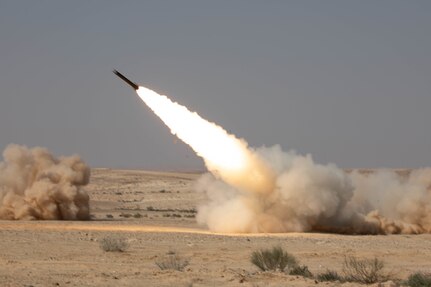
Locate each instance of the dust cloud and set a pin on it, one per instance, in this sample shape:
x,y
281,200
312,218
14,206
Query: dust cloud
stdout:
x,y
36,185
306,196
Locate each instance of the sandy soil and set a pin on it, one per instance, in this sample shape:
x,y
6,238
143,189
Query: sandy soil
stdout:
x,y
155,212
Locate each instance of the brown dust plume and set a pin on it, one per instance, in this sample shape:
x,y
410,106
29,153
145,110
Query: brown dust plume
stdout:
x,y
36,185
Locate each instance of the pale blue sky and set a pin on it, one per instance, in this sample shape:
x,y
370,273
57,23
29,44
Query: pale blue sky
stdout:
x,y
347,81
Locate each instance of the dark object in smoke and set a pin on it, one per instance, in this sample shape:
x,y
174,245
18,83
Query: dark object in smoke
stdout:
x,y
121,76
36,185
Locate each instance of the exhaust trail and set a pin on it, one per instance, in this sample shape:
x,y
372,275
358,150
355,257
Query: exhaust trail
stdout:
x,y
226,156
269,190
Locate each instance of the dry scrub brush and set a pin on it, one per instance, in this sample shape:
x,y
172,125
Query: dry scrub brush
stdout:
x,y
366,271
301,271
275,259
329,275
172,261
113,244
419,279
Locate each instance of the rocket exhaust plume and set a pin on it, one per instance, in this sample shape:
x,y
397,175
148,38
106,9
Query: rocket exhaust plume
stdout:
x,y
268,190
36,185
225,155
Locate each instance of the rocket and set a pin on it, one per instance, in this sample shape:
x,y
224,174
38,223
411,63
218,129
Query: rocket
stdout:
x,y
121,76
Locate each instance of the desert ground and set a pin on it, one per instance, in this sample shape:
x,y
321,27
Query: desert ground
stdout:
x,y
154,212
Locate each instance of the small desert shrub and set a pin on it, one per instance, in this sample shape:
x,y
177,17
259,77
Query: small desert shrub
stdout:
x,y
301,271
188,210
275,259
366,271
137,215
125,215
419,279
172,262
329,275
113,244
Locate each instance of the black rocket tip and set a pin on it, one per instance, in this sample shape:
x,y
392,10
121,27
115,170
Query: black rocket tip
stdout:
x,y
121,76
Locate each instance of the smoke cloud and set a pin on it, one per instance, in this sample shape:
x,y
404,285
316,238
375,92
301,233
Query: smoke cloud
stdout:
x,y
36,185
306,196
268,190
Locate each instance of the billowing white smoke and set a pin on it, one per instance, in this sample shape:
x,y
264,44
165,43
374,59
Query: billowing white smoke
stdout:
x,y
268,190
36,185
312,197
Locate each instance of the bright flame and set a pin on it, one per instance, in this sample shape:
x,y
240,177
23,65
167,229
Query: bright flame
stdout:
x,y
225,155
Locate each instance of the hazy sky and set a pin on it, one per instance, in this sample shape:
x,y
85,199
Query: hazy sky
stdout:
x,y
347,81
